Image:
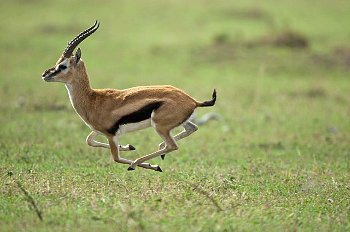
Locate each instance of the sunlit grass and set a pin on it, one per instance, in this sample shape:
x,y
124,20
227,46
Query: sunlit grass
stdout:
x,y
278,160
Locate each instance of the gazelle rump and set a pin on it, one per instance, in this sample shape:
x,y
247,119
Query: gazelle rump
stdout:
x,y
113,112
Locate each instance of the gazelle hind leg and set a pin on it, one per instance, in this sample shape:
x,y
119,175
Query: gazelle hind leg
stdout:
x,y
113,142
127,147
170,146
91,141
189,128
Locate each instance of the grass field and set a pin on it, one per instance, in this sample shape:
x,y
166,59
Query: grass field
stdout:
x,y
279,160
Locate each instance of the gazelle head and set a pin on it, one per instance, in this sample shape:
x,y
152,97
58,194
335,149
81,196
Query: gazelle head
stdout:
x,y
67,66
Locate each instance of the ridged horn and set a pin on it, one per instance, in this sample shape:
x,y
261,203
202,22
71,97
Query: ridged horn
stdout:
x,y
79,38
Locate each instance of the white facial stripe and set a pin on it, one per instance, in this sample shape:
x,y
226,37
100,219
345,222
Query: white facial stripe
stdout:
x,y
65,63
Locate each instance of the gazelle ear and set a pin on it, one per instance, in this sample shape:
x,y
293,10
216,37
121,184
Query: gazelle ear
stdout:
x,y
77,55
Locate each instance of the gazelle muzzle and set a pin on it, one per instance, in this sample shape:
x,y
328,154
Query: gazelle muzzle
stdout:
x,y
49,74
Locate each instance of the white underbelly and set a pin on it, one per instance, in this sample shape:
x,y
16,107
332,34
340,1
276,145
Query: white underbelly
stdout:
x,y
125,128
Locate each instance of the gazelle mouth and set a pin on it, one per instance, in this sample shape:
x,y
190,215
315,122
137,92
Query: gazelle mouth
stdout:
x,y
48,78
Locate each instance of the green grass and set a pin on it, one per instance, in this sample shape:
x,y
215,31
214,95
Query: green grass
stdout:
x,y
279,160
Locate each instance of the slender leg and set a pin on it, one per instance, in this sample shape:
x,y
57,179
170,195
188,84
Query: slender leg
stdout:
x,y
91,141
127,147
113,143
170,145
189,128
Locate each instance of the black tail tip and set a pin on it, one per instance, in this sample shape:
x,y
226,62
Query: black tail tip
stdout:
x,y
213,98
210,102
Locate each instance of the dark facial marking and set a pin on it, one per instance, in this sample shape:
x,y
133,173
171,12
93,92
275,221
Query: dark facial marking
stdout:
x,y
62,67
137,116
47,71
51,72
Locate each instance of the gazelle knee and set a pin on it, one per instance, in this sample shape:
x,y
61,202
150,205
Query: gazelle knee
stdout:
x,y
161,145
116,159
194,128
89,141
171,147
190,127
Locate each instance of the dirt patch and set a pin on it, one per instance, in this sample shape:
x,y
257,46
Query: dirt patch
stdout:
x,y
221,49
314,92
338,57
288,39
221,39
224,48
342,55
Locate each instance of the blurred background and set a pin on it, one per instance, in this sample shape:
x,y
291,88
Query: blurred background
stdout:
x,y
278,61
280,67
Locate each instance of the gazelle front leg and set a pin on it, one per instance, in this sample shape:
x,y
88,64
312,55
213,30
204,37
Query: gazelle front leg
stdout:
x,y
91,141
113,143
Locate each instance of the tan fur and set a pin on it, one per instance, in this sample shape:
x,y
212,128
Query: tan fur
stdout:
x,y
102,108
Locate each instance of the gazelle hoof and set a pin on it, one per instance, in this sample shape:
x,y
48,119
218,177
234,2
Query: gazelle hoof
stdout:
x,y
162,156
131,147
131,169
159,169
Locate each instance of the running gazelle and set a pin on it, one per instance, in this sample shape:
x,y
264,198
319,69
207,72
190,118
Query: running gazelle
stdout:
x,y
113,112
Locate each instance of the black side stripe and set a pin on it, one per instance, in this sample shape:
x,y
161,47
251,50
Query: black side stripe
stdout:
x,y
137,116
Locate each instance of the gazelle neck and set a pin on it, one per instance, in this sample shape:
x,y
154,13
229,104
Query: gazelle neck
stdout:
x,y
79,89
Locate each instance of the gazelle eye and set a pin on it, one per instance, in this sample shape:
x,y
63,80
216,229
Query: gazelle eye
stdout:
x,y
62,67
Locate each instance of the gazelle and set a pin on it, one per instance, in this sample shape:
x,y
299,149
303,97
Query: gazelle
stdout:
x,y
113,112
